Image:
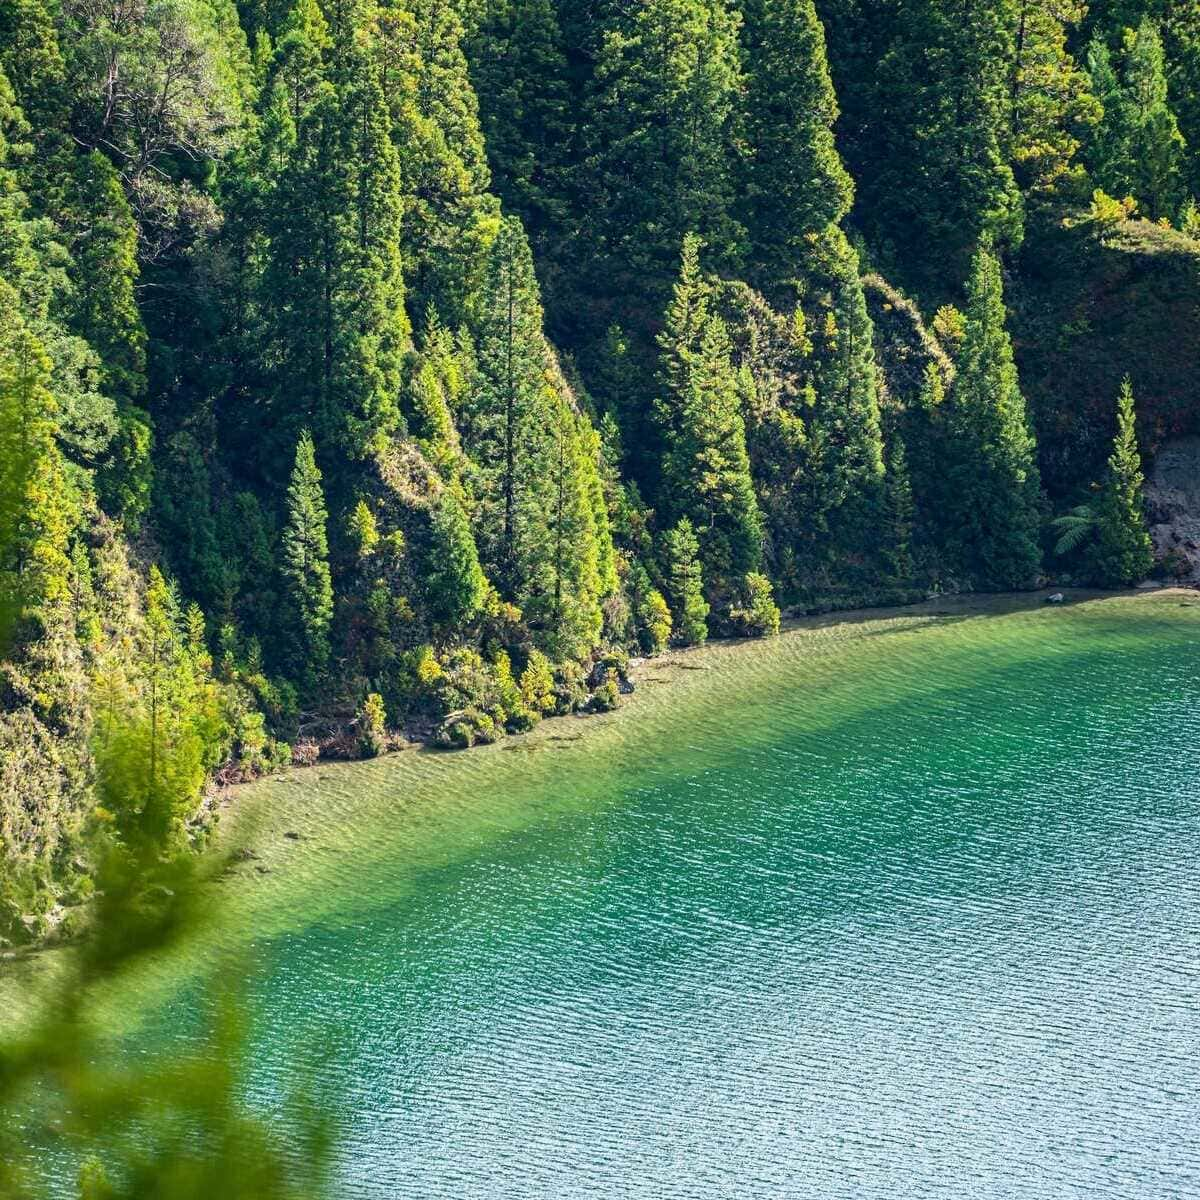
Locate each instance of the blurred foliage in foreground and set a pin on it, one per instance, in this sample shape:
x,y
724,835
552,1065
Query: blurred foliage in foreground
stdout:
x,y
167,1127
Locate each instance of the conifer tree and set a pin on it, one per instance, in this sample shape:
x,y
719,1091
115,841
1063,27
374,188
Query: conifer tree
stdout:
x,y
304,564
705,470
31,58
185,519
1122,553
35,515
1158,147
153,749
449,218
102,304
992,476
299,65
1181,38
658,126
1050,104
590,450
569,609
541,536
519,70
453,580
333,282
617,381
1108,148
101,307
795,185
845,468
684,576
1138,149
439,379
510,415
935,171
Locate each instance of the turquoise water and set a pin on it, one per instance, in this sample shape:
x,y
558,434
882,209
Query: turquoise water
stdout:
x,y
906,910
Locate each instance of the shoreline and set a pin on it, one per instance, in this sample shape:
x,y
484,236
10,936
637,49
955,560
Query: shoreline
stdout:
x,y
646,672
957,604
313,821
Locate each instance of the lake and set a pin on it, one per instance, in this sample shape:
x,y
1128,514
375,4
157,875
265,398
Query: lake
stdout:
x,y
900,906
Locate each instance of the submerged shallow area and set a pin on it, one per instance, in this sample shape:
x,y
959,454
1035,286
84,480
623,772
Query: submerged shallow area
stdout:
x,y
904,905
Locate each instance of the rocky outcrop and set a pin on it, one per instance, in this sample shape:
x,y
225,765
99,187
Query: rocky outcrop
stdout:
x,y
1087,307
1173,507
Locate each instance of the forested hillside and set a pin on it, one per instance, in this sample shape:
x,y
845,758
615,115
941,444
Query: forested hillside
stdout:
x,y
382,369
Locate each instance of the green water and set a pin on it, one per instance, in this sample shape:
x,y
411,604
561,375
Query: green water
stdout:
x,y
901,908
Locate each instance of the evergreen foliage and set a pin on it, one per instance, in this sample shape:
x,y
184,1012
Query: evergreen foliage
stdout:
x,y
220,223
992,475
455,586
935,172
1109,535
684,576
449,218
795,185
304,565
706,470
519,71
333,281
509,427
1123,554
1138,150
1050,105
658,138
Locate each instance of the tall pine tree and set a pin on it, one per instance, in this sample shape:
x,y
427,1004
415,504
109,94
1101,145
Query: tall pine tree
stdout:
x,y
1122,553
705,469
509,425
659,137
927,89
794,184
684,576
333,284
992,480
519,70
304,564
1137,149
1050,104
449,217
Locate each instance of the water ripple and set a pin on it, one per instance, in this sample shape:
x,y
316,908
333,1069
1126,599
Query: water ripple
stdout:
x,y
848,916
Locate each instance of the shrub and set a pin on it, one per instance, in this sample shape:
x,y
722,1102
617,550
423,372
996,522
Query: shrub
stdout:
x,y
255,753
949,327
363,530
426,667
654,635
522,720
372,738
570,688
757,615
468,682
461,730
537,683
512,712
1105,212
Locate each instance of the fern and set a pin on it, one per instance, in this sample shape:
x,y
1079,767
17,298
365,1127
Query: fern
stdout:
x,y
1074,528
